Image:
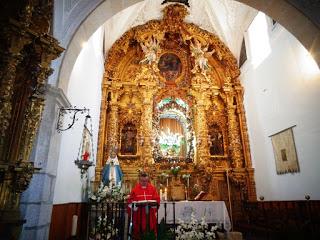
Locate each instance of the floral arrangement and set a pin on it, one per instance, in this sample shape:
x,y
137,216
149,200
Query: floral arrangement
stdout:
x,y
195,230
164,178
175,170
103,229
105,192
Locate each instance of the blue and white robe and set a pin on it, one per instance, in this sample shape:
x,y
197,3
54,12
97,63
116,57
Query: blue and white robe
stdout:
x,y
111,173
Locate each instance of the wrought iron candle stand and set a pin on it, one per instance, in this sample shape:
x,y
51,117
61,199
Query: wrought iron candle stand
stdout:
x,y
73,111
86,154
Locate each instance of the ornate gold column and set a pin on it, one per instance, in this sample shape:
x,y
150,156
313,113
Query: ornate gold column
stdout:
x,y
15,37
243,126
32,116
233,127
103,131
11,60
146,124
200,93
249,192
113,135
113,121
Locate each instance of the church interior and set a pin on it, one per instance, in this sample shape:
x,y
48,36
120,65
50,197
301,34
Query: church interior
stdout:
x,y
216,101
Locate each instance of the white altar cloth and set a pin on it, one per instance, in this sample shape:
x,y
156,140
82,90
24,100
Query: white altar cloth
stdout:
x,y
214,212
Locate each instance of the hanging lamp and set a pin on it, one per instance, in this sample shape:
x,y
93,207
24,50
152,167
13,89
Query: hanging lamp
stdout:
x,y
85,158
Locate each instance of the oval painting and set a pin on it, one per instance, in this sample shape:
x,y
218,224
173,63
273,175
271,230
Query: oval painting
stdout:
x,y
170,66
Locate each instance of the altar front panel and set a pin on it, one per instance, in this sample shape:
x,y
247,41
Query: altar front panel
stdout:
x,y
213,211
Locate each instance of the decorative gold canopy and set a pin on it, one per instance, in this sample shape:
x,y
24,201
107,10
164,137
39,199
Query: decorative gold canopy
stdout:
x,y
172,69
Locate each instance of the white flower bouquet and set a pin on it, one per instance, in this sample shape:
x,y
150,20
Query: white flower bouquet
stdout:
x,y
195,230
105,192
103,229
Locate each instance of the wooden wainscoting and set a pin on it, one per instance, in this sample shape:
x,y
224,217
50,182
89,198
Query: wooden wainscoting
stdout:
x,y
279,220
61,221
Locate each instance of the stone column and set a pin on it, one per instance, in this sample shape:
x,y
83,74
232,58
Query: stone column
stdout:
x,y
36,202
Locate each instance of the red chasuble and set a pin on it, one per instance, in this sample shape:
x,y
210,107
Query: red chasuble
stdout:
x,y
140,196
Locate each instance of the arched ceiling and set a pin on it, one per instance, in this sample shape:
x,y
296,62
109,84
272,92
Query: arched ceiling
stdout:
x,y
77,20
226,19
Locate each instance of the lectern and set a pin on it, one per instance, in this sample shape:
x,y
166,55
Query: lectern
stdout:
x,y
143,218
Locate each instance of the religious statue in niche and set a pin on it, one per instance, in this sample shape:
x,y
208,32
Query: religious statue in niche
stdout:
x,y
170,66
216,140
129,139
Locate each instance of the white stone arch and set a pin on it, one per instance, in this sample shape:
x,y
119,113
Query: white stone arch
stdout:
x,y
87,26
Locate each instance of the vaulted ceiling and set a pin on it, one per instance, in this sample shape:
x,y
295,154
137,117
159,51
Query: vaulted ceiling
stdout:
x,y
76,20
226,19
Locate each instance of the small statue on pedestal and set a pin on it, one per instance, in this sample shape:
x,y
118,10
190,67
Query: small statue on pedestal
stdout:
x,y
111,172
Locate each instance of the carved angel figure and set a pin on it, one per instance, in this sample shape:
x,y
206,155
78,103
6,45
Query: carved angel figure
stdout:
x,y
150,50
200,54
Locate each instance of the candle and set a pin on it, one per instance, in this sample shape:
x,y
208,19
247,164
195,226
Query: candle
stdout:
x,y
167,182
74,225
160,194
165,194
186,193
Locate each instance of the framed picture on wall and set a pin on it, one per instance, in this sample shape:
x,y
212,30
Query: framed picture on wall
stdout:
x,y
285,153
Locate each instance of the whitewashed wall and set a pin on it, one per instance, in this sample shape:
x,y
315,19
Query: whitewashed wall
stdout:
x,y
84,90
284,90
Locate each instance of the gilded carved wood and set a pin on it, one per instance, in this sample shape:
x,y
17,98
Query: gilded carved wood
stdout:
x,y
174,61
26,50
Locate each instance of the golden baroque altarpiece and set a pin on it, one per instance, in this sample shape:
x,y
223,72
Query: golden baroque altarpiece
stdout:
x,y
170,70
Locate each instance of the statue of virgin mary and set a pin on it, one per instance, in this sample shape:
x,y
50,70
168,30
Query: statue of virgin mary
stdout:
x,y
111,172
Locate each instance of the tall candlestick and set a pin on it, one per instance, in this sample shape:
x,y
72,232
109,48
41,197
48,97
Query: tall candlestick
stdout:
x,y
165,194
186,192
74,225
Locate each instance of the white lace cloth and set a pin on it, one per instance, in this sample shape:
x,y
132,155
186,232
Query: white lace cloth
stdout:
x,y
214,212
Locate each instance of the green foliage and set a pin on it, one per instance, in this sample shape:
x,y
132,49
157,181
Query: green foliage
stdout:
x,y
149,235
163,232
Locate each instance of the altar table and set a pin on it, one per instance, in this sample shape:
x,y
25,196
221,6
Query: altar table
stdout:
x,y
214,212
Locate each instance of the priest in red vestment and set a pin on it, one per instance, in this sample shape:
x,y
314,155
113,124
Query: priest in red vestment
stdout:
x,y
143,202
